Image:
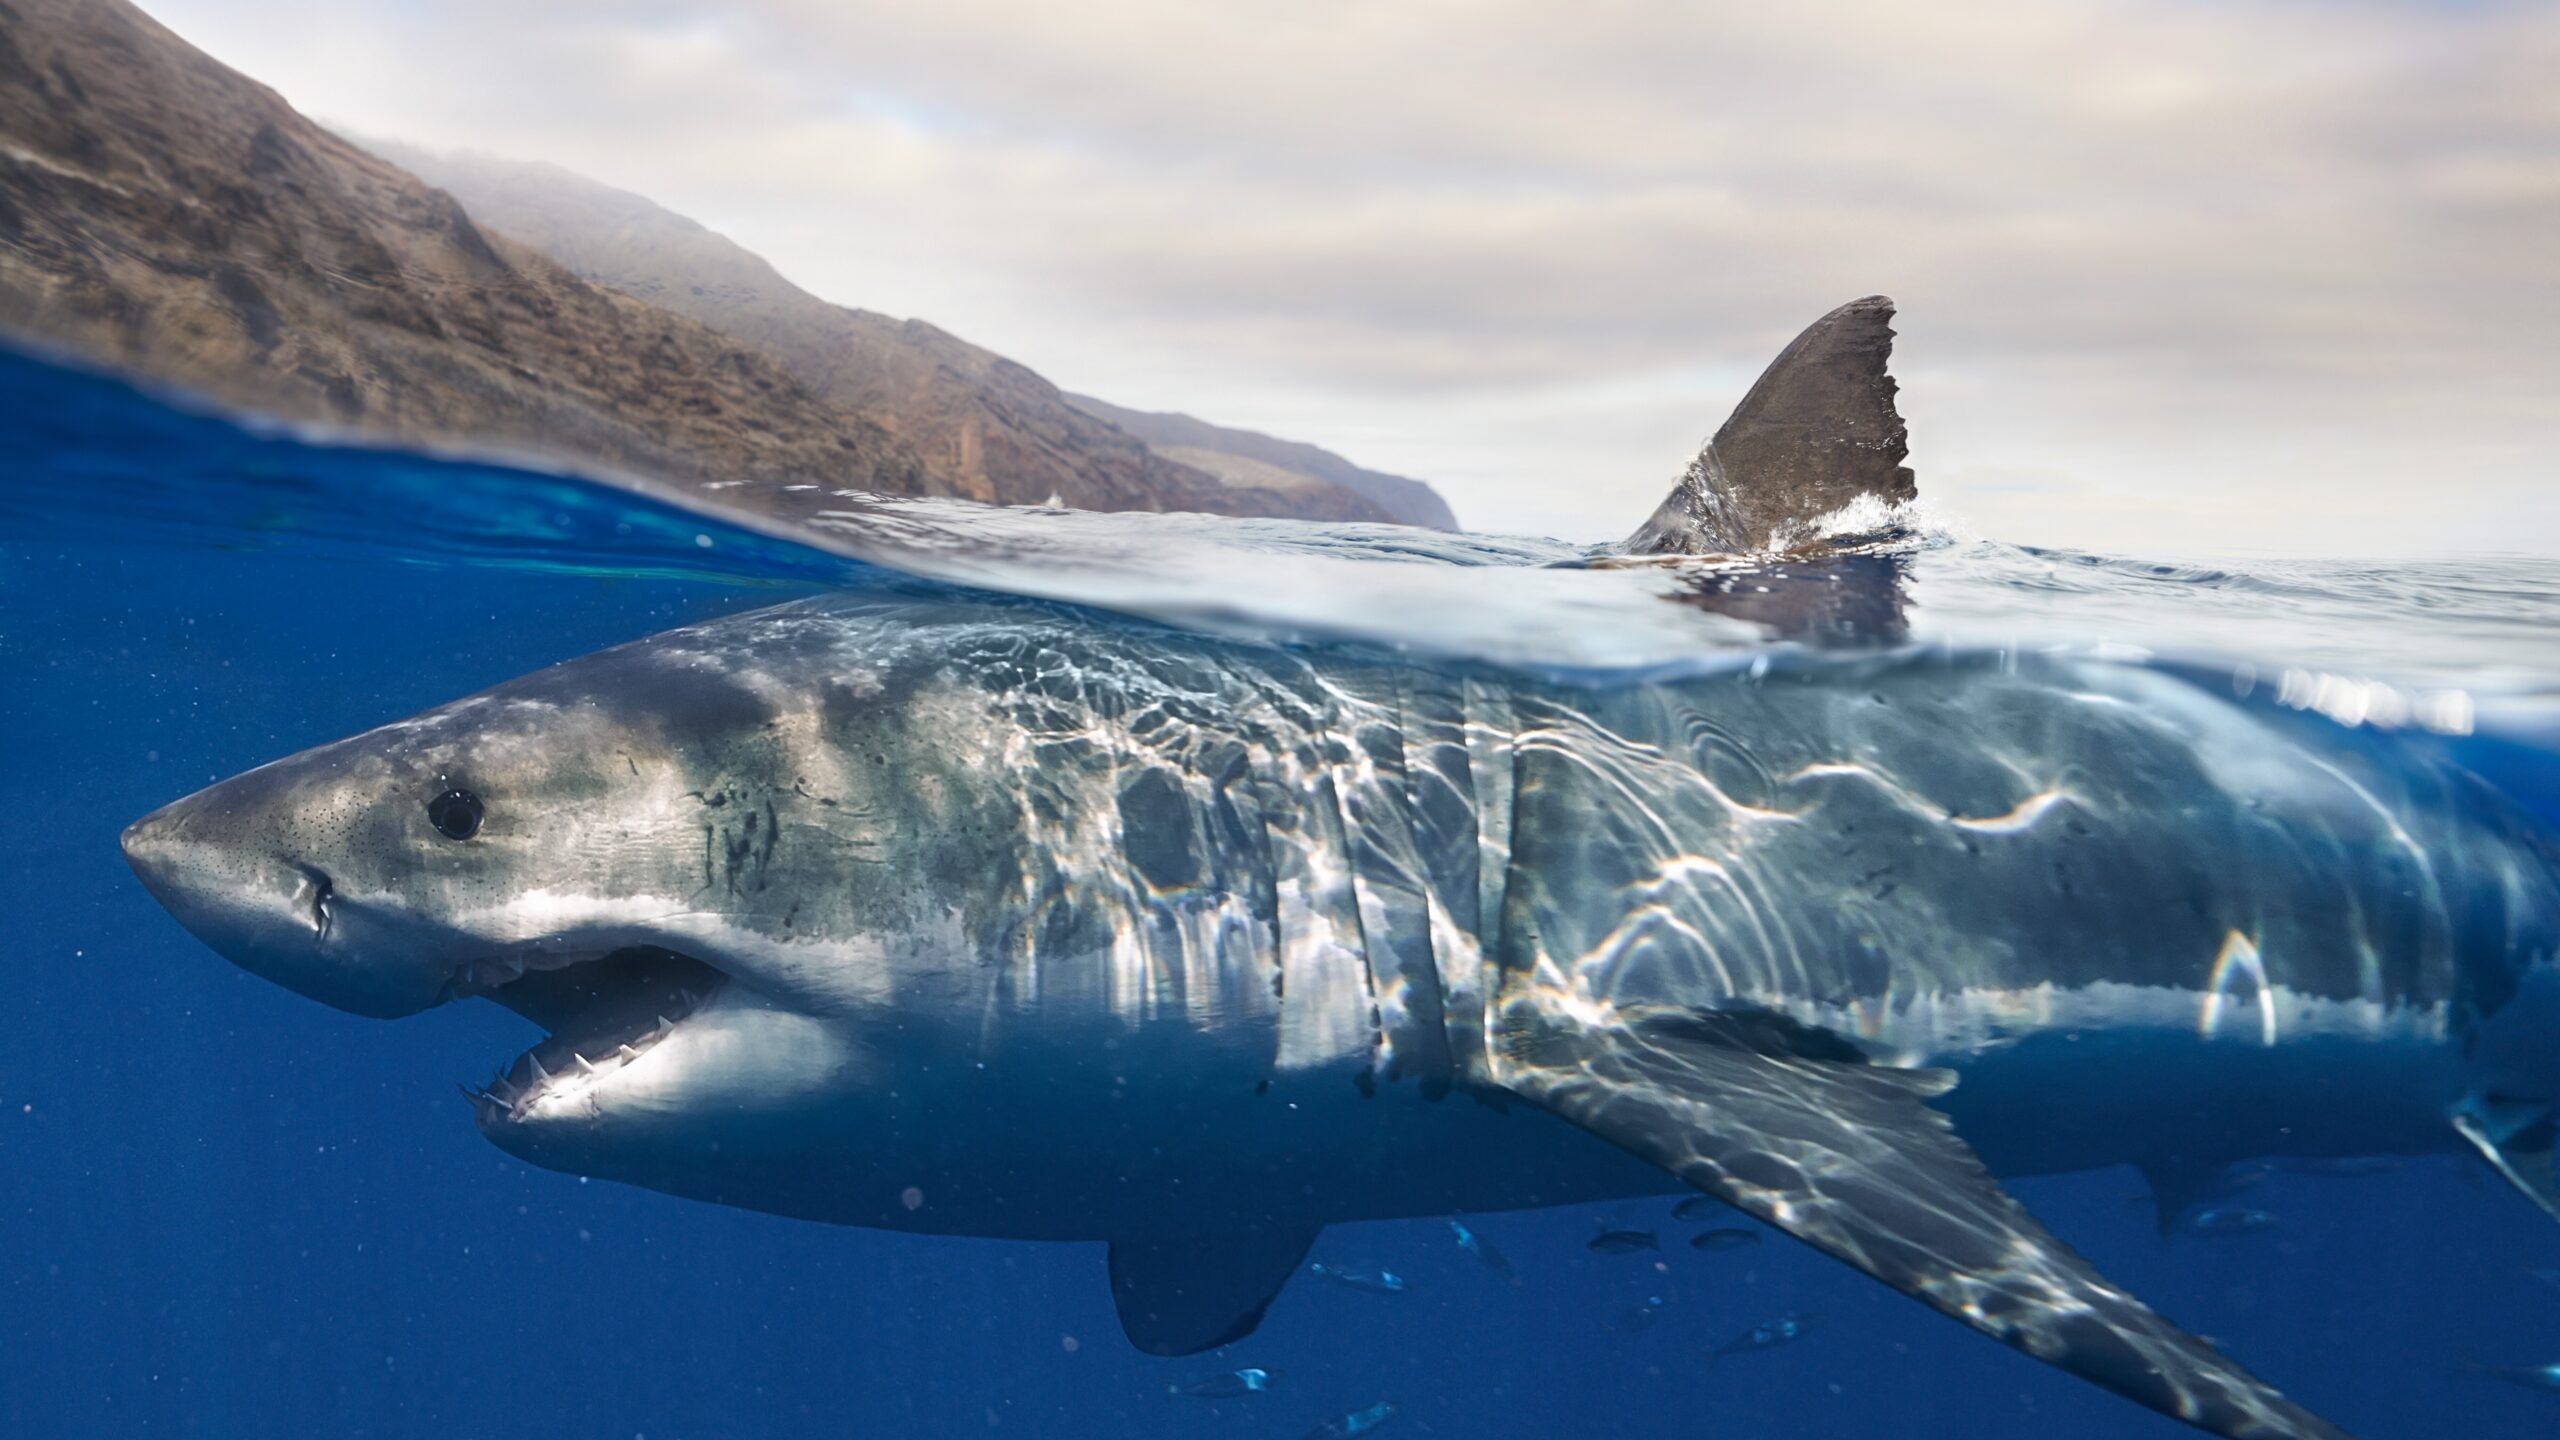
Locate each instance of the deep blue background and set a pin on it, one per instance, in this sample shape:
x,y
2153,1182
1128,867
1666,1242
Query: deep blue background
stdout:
x,y
225,1210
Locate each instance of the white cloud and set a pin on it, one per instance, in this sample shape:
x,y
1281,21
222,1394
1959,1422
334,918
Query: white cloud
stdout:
x,y
2178,275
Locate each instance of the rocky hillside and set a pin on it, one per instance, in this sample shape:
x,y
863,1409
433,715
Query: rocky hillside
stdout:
x,y
1408,502
169,217
982,425
165,215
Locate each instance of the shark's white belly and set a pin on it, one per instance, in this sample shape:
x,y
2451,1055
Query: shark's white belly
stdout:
x,y
1089,1128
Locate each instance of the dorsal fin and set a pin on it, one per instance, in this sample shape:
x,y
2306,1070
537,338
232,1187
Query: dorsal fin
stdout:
x,y
1817,431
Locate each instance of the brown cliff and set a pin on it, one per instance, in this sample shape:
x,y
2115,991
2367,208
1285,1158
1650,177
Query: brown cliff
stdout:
x,y
983,426
166,216
1193,441
163,214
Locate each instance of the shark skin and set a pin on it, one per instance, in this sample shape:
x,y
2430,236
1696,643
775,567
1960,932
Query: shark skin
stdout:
x,y
995,917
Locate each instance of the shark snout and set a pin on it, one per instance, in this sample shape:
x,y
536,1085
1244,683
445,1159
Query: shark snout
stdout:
x,y
261,906
171,864
146,845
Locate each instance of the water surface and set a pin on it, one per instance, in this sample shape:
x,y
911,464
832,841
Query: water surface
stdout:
x,y
232,1211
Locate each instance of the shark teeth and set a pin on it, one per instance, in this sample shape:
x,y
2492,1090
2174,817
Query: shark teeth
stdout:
x,y
506,1097
630,1002
491,973
482,977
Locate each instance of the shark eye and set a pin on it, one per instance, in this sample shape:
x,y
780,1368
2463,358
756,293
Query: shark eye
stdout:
x,y
455,814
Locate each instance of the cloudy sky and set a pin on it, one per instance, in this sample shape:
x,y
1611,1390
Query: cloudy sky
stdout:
x,y
2176,277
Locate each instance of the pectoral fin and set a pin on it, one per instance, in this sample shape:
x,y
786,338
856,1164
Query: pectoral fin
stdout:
x,y
1793,1127
1181,1293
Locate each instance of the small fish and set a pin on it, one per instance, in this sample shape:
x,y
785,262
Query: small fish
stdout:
x,y
1726,1239
1622,1242
1376,1282
2219,1187
2548,1275
2243,1176
1481,1248
1699,1207
1638,1318
1358,1422
2227,1220
1767,1335
2531,1377
1226,1384
2339,1167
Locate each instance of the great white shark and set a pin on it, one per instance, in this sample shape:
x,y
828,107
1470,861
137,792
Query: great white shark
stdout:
x,y
993,917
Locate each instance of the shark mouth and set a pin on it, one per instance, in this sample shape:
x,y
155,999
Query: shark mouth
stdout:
x,y
603,1013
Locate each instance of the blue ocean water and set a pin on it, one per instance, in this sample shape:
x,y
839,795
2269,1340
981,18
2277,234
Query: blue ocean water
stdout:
x,y
231,1211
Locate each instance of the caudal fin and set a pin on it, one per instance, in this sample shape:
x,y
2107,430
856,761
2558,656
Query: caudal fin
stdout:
x,y
1817,431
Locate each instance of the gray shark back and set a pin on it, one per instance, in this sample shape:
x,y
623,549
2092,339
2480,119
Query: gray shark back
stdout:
x,y
1813,836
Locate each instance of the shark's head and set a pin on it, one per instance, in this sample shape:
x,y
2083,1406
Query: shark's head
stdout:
x,y
396,870
698,862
